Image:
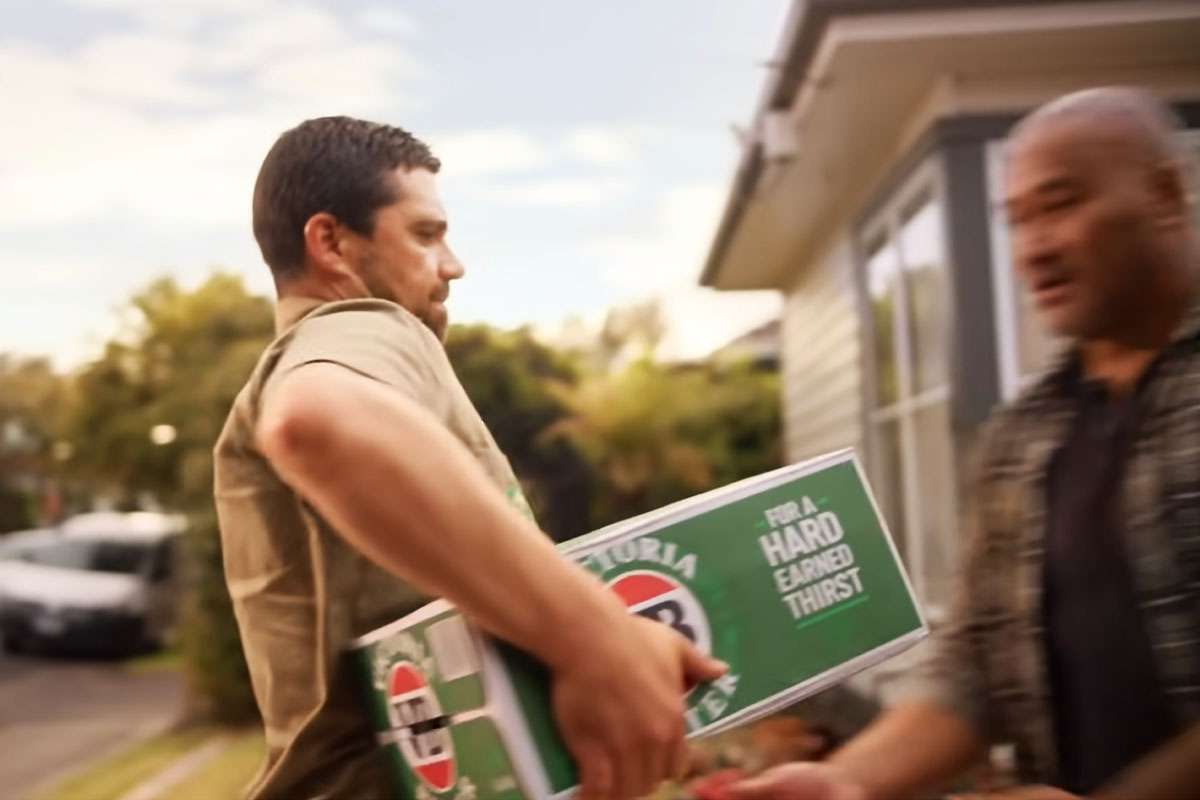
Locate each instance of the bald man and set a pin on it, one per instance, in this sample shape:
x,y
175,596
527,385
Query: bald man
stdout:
x,y
1076,636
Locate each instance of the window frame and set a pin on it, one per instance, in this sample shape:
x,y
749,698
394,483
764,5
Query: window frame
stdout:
x,y
1191,139
926,183
1004,284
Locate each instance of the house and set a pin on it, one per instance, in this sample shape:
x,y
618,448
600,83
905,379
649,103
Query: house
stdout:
x,y
866,193
761,346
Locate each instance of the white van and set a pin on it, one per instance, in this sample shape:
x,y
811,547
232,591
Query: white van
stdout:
x,y
102,581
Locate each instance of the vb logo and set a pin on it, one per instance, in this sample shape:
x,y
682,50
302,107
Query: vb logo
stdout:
x,y
425,739
666,600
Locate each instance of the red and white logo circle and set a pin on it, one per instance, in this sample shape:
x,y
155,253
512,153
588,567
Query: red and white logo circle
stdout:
x,y
424,739
666,600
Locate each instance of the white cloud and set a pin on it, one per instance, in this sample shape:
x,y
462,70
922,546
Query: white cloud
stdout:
x,y
506,150
359,80
669,252
601,146
143,68
183,14
700,320
304,53
487,151
259,39
100,133
43,295
665,262
611,145
382,19
197,174
66,305
562,193
184,8
21,274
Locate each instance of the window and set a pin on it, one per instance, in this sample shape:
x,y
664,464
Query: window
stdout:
x,y
1025,347
906,285
1192,138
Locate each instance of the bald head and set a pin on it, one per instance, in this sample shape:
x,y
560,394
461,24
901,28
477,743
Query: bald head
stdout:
x,y
1130,119
1098,192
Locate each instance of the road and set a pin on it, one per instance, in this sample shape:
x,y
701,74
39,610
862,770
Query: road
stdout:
x,y
59,714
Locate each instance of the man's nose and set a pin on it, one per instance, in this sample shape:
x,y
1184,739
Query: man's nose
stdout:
x,y
451,268
1036,248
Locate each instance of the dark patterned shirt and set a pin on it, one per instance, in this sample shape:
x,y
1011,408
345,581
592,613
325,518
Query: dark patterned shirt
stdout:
x,y
989,664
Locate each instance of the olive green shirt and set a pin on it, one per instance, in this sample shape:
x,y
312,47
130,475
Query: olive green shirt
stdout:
x,y
300,592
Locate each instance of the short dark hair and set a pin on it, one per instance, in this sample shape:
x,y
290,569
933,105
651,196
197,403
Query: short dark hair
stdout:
x,y
338,165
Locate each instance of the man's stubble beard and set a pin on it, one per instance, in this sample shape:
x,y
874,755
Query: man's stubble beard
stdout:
x,y
369,273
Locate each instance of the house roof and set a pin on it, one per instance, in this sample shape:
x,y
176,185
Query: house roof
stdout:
x,y
809,23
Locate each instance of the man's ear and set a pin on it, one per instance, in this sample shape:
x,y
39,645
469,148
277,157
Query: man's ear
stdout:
x,y
324,245
1169,194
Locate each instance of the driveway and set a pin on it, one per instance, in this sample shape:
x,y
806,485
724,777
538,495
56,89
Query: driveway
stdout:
x,y
57,715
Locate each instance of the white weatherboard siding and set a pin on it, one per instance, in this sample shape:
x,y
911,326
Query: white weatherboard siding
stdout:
x,y
822,395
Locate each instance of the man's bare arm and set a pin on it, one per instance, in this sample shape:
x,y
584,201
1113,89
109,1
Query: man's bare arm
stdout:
x,y
1172,771
912,747
409,496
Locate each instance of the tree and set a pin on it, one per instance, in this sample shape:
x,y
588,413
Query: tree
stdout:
x,y
33,400
656,434
510,376
630,333
176,367
173,374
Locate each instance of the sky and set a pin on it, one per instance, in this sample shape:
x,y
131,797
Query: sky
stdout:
x,y
587,148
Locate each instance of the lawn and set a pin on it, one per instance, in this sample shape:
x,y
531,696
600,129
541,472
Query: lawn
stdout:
x,y
226,776
167,660
114,777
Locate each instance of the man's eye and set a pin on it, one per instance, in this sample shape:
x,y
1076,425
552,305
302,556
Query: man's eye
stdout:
x,y
1060,203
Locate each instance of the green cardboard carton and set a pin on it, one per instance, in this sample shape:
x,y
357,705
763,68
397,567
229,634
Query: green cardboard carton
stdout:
x,y
790,577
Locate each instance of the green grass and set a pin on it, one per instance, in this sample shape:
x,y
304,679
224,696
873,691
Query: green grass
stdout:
x,y
169,660
115,776
223,778
226,776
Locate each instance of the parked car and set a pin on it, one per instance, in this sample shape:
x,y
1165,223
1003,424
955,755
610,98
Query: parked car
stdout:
x,y
104,581
13,545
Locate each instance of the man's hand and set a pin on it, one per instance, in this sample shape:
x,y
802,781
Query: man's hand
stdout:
x,y
1022,793
798,781
620,707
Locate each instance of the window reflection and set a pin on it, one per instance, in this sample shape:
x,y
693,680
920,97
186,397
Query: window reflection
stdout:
x,y
921,244
883,275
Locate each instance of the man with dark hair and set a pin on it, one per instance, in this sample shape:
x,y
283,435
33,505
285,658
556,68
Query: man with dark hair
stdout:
x,y
354,480
347,165
1076,636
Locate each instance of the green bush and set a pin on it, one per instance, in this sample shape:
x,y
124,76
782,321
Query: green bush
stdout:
x,y
214,664
16,510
